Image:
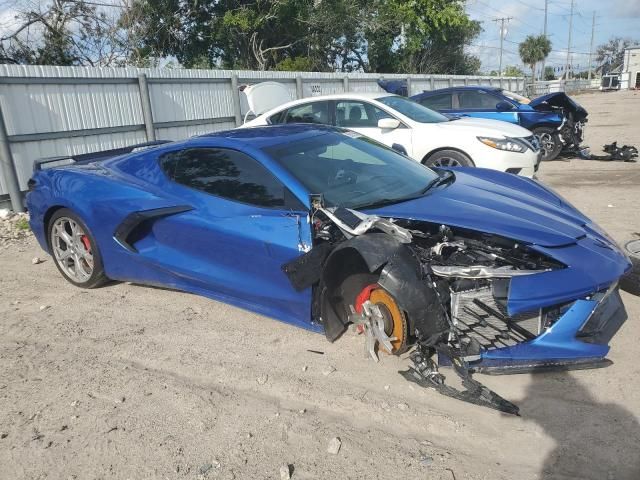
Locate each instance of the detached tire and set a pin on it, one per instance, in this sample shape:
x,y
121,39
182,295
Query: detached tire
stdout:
x,y
630,282
74,250
448,158
550,142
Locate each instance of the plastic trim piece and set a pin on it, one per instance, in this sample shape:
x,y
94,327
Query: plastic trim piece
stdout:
x,y
136,219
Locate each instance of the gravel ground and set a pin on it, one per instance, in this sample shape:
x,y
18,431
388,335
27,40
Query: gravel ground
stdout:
x,y
134,382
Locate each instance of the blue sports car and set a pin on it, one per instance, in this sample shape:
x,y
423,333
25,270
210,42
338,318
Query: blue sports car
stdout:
x,y
321,228
555,118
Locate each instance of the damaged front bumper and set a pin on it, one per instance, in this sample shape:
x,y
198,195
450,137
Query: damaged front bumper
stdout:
x,y
482,302
578,339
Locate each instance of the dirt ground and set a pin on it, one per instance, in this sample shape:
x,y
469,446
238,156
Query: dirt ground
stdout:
x,y
132,382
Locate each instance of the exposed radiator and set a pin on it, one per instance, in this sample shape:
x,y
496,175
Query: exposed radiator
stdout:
x,y
477,315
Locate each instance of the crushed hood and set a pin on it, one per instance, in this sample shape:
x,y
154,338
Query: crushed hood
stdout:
x,y
485,127
492,202
559,99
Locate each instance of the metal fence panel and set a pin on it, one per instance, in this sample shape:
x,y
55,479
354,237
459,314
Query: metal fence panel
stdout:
x,y
51,110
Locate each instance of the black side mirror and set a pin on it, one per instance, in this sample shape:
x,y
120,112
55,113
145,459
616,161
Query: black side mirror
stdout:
x,y
504,106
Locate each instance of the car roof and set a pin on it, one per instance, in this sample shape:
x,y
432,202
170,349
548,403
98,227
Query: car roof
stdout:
x,y
270,135
470,87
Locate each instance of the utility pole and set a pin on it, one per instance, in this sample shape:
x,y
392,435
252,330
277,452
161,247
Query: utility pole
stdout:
x,y
546,6
593,29
568,66
502,31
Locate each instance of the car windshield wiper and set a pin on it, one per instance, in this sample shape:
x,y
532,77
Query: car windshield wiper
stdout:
x,y
447,176
385,201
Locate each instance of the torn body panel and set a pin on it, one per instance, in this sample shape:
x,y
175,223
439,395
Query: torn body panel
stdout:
x,y
500,305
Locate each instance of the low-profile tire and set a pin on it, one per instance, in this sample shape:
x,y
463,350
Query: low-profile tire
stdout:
x,y
550,142
74,250
630,281
448,158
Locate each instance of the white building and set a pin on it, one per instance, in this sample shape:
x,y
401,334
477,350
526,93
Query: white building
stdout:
x,y
630,76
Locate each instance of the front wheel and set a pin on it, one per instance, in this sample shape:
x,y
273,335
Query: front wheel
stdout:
x,y
74,250
550,142
448,158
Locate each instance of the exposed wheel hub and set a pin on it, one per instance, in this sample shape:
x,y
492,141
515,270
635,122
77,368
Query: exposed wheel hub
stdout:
x,y
383,322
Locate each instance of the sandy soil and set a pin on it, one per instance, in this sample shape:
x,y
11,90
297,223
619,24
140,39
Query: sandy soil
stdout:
x,y
135,382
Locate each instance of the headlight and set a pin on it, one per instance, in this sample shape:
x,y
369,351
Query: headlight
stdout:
x,y
507,144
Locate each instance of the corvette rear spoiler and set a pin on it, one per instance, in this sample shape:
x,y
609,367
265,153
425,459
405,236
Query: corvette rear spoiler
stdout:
x,y
94,156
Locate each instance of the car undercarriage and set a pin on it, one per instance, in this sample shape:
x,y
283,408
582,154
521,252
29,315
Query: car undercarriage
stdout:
x,y
444,292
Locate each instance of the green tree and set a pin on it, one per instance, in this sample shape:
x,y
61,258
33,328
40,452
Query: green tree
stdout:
x,y
549,74
61,32
330,35
534,49
610,55
513,71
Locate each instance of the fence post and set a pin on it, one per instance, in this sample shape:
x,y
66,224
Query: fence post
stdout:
x,y
299,90
235,95
466,81
432,83
501,86
147,113
345,83
450,81
409,86
9,168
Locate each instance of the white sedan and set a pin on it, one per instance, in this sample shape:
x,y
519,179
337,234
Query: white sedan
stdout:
x,y
426,136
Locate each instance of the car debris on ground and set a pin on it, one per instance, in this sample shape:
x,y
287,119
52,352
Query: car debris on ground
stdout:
x,y
626,153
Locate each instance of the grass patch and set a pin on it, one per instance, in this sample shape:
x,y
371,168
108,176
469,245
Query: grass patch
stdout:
x,y
22,225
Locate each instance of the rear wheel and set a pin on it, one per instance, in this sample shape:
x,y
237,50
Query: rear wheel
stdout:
x,y
74,250
550,142
448,158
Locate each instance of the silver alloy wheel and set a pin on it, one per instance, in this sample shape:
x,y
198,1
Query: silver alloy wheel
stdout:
x,y
72,249
446,162
546,143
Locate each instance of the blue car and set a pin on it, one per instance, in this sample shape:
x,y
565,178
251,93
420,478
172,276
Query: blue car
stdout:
x,y
321,228
556,119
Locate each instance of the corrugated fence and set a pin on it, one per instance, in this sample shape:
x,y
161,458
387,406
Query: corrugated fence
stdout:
x,y
48,111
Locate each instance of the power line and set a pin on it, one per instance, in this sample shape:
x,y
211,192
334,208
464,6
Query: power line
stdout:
x,y
546,8
569,43
502,32
593,29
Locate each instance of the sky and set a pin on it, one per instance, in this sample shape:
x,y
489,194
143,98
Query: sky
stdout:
x,y
613,18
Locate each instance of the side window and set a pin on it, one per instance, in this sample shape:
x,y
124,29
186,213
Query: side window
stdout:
x,y
472,99
354,114
315,112
277,118
438,102
225,173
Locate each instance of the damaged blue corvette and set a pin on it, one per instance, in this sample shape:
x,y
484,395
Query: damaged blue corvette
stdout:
x,y
322,228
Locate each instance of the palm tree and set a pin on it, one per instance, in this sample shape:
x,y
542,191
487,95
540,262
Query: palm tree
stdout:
x,y
534,49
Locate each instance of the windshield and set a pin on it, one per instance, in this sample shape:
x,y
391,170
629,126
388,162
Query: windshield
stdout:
x,y
516,97
413,110
352,171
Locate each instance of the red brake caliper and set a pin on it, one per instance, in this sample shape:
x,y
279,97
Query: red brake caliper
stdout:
x,y
362,297
87,244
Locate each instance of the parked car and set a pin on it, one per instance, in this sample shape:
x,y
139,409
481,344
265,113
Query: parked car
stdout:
x,y
322,227
422,134
556,119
